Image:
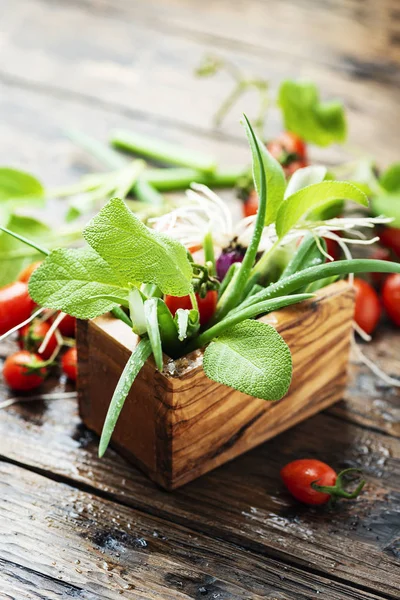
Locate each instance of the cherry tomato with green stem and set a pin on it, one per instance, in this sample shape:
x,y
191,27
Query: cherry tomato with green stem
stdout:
x,y
15,305
27,272
290,150
69,363
391,297
368,308
207,305
23,371
314,482
32,335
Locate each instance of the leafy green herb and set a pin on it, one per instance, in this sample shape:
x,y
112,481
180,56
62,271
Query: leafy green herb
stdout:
x,y
308,255
263,363
77,282
132,368
264,162
301,203
304,177
150,312
390,179
136,253
304,114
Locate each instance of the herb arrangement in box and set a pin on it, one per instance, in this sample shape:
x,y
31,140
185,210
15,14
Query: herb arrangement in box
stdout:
x,y
150,281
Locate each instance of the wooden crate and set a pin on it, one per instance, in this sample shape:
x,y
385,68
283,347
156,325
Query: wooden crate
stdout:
x,y
175,428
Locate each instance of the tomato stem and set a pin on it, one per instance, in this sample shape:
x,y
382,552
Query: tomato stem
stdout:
x,y
338,490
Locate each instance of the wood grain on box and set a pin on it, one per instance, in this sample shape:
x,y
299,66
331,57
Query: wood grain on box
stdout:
x,y
178,427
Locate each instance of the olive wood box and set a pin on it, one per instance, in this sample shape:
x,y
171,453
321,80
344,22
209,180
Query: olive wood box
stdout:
x,y
176,427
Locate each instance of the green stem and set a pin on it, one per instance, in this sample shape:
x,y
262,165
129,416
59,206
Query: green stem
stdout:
x,y
229,102
193,300
208,246
121,315
307,276
167,180
146,193
250,312
100,151
234,291
25,240
161,151
338,490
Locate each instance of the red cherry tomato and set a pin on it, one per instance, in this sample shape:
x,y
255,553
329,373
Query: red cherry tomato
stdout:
x,y
22,371
15,305
380,254
332,248
290,151
391,297
69,363
27,272
314,482
250,205
67,326
368,309
207,305
300,474
390,238
32,335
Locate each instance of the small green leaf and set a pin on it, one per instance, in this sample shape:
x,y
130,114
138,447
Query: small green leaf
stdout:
x,y
150,312
14,254
387,205
76,282
137,253
390,179
275,176
19,186
297,206
320,123
136,361
262,360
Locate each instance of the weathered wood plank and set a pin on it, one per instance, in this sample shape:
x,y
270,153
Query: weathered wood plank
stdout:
x,y
135,68
19,583
100,549
242,501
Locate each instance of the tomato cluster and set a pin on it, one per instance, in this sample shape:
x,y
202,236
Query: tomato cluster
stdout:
x,y
26,369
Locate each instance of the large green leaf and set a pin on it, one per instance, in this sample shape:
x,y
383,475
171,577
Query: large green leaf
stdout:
x,y
275,176
261,358
136,253
304,114
77,282
297,206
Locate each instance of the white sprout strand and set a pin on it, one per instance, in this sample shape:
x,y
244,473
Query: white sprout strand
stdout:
x,y
50,332
17,327
199,187
372,366
363,334
59,396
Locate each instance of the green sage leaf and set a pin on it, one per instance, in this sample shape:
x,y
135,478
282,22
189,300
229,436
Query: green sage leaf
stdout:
x,y
19,187
320,123
78,282
262,359
136,253
136,361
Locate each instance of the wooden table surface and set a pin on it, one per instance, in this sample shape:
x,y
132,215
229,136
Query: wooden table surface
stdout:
x,y
73,526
